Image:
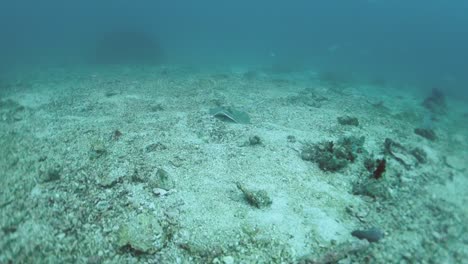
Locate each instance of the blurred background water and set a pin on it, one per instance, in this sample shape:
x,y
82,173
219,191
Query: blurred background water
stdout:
x,y
422,43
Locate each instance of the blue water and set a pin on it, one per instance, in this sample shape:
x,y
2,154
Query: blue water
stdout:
x,y
421,42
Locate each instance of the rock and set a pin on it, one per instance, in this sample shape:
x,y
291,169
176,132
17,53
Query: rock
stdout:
x,y
259,199
426,133
371,187
456,162
155,147
116,135
307,155
419,154
103,205
160,192
399,153
372,235
254,140
51,173
228,260
348,121
161,180
142,234
98,149
115,175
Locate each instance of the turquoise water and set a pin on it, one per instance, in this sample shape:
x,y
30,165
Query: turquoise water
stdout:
x,y
233,132
393,40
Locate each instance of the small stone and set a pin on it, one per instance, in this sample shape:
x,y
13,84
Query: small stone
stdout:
x,y
161,180
437,236
426,133
177,162
291,139
94,260
142,233
257,198
114,176
408,255
228,260
116,134
97,149
307,155
254,140
348,121
419,154
157,108
111,93
155,147
456,162
160,192
102,205
51,173
372,235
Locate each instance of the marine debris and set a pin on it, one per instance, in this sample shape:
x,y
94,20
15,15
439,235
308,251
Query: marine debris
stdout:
x,y
229,114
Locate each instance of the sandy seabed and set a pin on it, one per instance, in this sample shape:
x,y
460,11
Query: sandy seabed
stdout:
x,y
128,165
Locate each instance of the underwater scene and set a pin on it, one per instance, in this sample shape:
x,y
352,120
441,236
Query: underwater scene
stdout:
x,y
232,132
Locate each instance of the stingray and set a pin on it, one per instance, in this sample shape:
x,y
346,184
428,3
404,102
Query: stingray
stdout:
x,y
229,114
